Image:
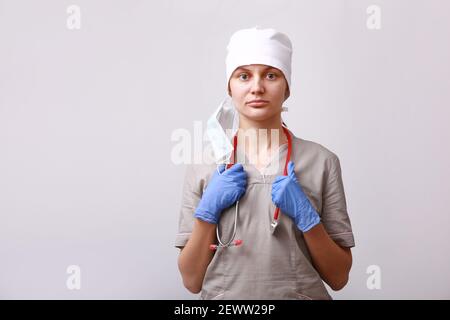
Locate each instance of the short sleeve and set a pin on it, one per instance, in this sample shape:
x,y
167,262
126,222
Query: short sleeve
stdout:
x,y
334,210
191,194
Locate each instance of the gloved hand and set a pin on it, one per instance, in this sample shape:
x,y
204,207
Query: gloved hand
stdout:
x,y
287,194
223,190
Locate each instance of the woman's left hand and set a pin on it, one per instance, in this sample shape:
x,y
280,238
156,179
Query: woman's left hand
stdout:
x,y
287,194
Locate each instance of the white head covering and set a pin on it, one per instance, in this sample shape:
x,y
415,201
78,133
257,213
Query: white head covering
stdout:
x,y
259,46
246,47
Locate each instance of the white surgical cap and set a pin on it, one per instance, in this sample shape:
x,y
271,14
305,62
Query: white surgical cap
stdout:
x,y
259,46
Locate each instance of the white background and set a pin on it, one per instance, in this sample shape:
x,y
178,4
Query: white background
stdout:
x,y
86,117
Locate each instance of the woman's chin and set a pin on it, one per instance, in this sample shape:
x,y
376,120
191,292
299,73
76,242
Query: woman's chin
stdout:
x,y
258,114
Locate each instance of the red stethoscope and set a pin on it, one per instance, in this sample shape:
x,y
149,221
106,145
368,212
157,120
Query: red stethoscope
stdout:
x,y
237,242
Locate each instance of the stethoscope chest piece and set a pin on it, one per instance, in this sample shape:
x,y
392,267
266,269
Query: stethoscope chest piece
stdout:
x,y
273,225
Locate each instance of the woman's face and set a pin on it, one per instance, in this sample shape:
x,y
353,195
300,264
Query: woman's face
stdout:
x,y
258,91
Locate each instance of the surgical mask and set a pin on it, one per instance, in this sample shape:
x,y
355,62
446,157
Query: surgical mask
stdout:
x,y
221,128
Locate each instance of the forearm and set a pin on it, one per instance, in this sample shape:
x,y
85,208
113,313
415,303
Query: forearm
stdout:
x,y
196,255
331,261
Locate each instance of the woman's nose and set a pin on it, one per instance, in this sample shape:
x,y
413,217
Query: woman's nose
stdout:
x,y
257,85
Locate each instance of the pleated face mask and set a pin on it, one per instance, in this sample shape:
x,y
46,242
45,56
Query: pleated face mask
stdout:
x,y
220,128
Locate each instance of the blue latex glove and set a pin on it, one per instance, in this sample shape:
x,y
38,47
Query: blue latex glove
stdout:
x,y
223,190
287,194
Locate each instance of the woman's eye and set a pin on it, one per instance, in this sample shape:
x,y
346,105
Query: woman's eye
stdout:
x,y
243,76
271,76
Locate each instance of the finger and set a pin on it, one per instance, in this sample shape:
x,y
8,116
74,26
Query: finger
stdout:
x,y
241,193
277,186
291,167
291,170
240,184
238,177
275,199
276,189
279,178
281,181
236,168
220,168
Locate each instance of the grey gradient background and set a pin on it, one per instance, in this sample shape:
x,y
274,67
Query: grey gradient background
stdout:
x,y
86,118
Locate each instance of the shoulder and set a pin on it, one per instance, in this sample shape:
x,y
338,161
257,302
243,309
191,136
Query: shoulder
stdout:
x,y
313,149
316,158
200,168
198,174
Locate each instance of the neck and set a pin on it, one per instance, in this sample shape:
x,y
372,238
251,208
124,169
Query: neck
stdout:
x,y
260,134
271,123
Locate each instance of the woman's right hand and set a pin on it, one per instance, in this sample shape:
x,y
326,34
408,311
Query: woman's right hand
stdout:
x,y
224,189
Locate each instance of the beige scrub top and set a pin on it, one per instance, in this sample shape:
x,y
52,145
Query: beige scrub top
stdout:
x,y
270,265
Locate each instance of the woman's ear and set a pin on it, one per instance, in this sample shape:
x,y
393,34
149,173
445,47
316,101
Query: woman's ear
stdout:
x,y
287,93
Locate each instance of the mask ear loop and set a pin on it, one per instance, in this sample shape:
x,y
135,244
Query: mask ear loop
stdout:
x,y
231,242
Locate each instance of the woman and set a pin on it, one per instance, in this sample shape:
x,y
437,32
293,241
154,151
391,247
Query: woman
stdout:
x,y
284,258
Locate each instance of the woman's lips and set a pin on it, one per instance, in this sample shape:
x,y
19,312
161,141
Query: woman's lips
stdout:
x,y
257,103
